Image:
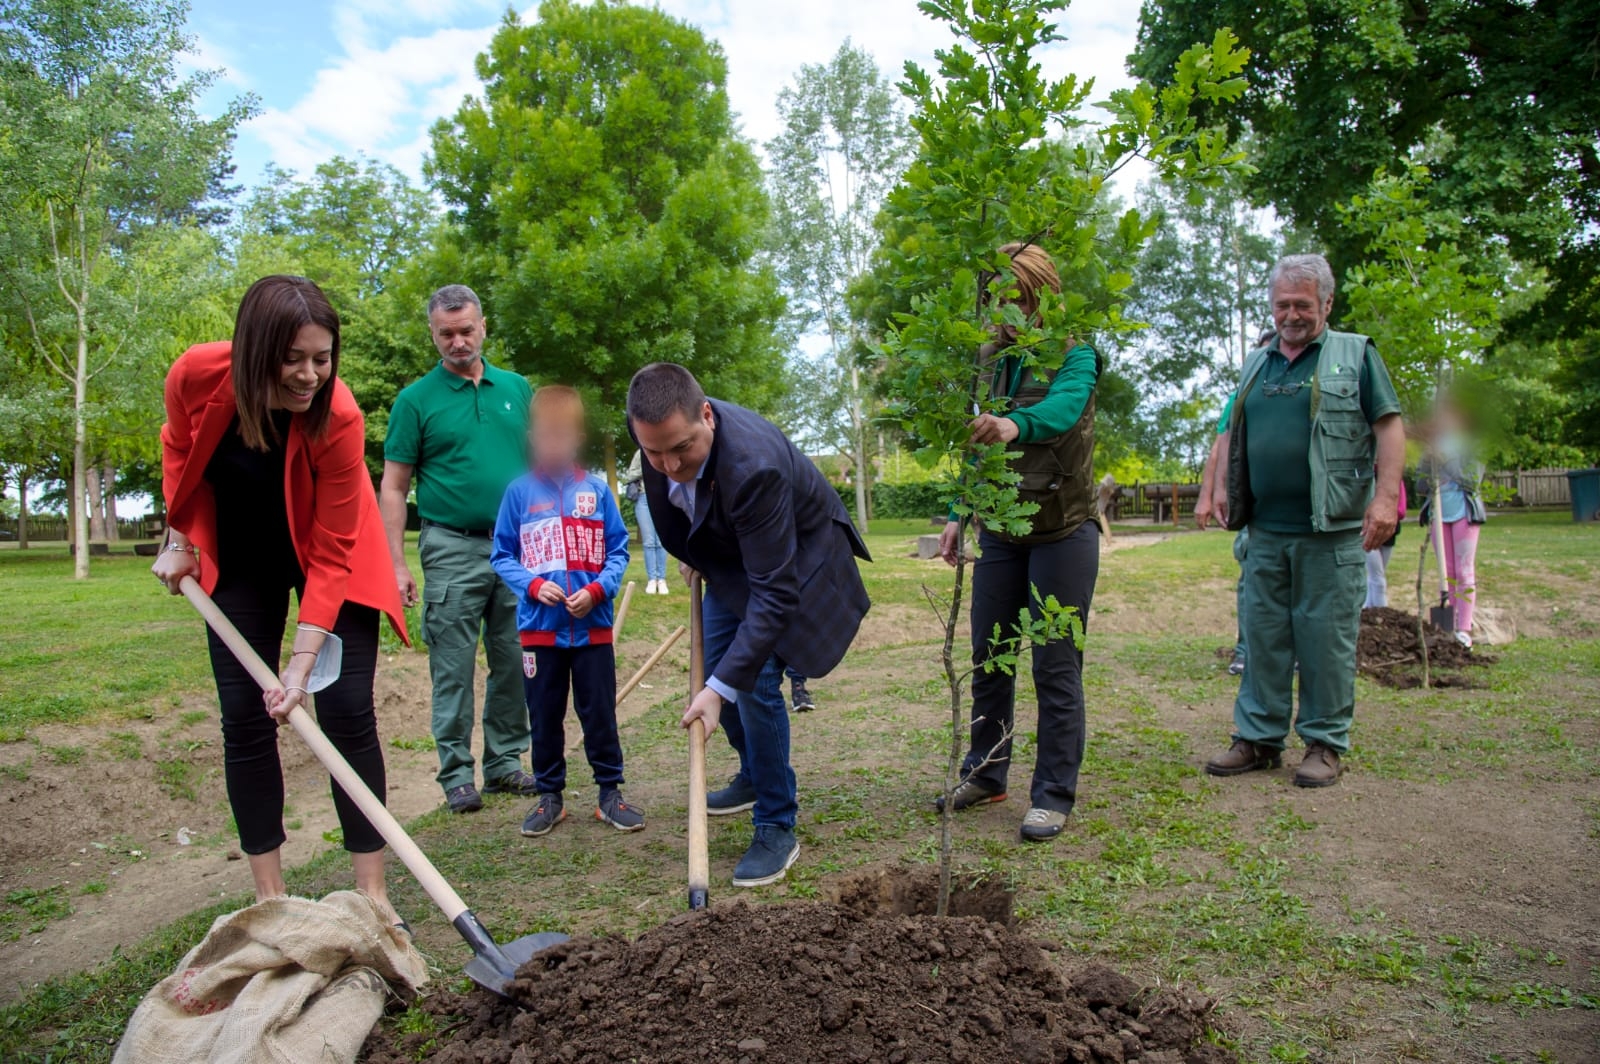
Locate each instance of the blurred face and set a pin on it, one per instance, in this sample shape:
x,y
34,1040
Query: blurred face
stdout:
x,y
1298,312
556,442
459,336
305,370
678,446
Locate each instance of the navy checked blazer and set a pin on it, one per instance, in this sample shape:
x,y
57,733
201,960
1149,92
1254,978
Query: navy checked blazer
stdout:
x,y
775,544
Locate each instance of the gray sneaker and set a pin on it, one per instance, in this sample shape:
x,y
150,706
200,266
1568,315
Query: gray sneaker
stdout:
x,y
1042,825
768,858
464,799
618,813
542,819
513,782
970,792
800,697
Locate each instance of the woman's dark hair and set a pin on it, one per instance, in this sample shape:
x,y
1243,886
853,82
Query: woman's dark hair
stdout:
x,y
271,314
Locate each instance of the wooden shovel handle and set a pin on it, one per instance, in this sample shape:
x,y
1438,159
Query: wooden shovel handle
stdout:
x,y
443,895
699,858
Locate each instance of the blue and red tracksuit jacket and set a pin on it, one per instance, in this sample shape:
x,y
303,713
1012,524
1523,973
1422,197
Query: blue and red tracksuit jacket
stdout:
x,y
567,531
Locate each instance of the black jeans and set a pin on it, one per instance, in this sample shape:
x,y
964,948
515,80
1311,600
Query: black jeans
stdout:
x,y
1003,580
250,736
590,674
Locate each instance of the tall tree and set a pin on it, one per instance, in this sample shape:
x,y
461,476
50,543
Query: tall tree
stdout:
x,y
364,232
607,210
844,144
987,174
1199,286
1427,302
104,143
1500,98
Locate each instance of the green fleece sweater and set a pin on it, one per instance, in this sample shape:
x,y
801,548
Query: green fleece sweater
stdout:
x,y
1061,407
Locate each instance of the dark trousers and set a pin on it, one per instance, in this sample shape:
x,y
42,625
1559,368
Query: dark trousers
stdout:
x,y
590,675
757,725
250,736
1003,581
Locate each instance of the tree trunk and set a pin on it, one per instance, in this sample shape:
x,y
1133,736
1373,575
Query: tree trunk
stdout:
x,y
80,452
108,501
610,449
22,508
97,518
960,729
858,423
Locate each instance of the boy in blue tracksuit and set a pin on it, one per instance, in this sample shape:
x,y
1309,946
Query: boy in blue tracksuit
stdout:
x,y
561,546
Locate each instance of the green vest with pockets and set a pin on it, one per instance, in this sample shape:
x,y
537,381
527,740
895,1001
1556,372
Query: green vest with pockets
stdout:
x,y
1343,446
1057,473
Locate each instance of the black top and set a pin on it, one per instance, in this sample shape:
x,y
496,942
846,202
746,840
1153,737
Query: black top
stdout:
x,y
253,540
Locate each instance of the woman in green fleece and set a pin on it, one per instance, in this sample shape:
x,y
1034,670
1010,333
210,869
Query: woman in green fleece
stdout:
x,y
1049,419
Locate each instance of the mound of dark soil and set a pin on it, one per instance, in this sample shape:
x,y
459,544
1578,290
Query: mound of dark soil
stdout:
x,y
807,983
1388,651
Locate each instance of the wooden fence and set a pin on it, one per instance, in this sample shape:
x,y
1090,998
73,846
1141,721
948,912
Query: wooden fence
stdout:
x,y
52,528
1533,487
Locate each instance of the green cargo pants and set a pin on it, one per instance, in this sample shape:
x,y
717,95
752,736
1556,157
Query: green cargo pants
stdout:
x,y
1301,602
462,598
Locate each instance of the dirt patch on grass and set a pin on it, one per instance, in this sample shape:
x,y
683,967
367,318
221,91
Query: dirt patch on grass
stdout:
x,y
897,891
806,982
1390,653
124,826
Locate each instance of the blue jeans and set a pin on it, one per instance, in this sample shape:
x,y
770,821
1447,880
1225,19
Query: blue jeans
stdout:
x,y
757,726
655,555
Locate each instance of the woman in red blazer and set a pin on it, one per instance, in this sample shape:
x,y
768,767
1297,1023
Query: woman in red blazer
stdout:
x,y
267,490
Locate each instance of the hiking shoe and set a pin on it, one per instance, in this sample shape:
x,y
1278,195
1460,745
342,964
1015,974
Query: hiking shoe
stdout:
x,y
1042,825
517,782
546,813
800,698
768,858
970,792
464,799
618,813
737,797
1236,666
1244,756
1319,768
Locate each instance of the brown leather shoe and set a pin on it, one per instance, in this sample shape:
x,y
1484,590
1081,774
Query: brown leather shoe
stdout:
x,y
1319,768
1244,756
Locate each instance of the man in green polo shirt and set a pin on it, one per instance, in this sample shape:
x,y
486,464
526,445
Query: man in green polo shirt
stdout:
x,y
1315,448
462,431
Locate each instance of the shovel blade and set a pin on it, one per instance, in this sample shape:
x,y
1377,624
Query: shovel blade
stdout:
x,y
494,973
1442,618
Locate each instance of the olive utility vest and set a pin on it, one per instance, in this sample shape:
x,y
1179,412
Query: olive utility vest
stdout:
x,y
1057,473
1343,445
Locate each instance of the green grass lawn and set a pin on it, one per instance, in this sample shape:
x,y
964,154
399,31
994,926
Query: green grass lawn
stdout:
x,y
1248,890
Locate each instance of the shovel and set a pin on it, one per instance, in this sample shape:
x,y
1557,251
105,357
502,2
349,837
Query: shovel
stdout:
x,y
492,966
1442,616
699,857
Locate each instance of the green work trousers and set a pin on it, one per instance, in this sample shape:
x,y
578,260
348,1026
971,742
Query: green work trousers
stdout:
x,y
1301,603
463,599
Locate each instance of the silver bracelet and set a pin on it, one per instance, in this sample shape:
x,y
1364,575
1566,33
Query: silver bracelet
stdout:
x,y
170,547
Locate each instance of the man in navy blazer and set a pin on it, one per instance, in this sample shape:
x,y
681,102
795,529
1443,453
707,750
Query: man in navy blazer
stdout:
x,y
733,499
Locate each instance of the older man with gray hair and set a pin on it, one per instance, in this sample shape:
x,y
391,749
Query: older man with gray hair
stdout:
x,y
1315,448
461,432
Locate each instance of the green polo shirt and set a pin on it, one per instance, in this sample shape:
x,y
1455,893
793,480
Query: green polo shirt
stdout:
x,y
1277,412
467,443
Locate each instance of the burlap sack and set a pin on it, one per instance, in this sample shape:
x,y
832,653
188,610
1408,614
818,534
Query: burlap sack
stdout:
x,y
287,981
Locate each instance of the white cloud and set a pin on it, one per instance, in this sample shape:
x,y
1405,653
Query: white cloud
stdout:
x,y
381,95
207,55
376,100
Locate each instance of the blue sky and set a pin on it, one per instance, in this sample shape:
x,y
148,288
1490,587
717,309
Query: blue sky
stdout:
x,y
372,75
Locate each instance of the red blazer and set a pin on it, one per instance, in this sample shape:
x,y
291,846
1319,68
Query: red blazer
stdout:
x,y
333,511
